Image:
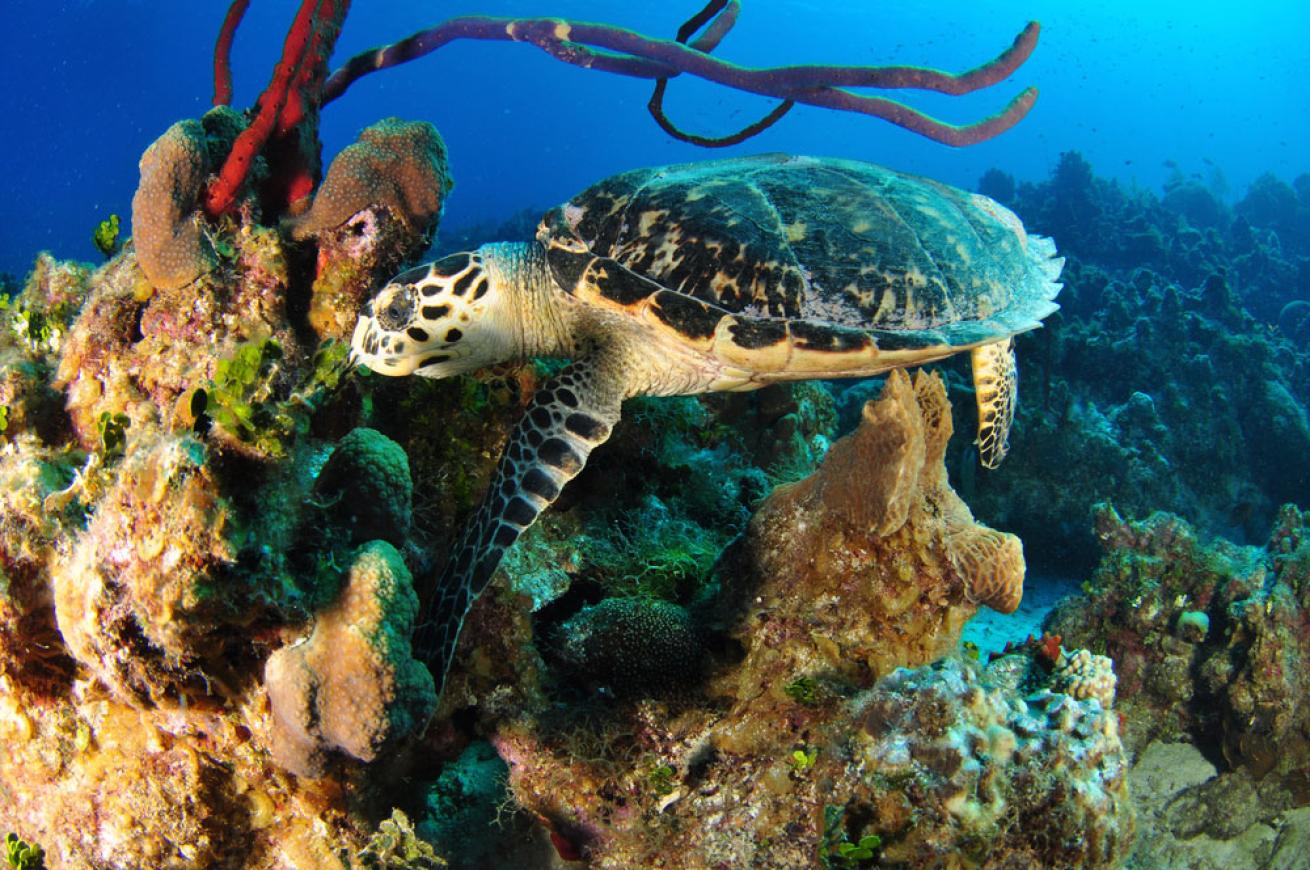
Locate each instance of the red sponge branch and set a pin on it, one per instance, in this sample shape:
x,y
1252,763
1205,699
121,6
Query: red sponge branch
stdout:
x,y
285,127
223,52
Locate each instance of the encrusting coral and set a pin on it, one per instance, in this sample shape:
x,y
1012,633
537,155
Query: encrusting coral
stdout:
x,y
353,684
142,590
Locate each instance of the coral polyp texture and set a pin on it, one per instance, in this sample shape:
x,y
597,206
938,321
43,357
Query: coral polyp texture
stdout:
x,y
375,210
353,684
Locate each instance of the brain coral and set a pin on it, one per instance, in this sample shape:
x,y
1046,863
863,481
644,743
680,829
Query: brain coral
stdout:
x,y
400,165
352,684
631,643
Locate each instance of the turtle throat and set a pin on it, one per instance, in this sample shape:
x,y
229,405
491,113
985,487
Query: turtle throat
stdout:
x,y
540,323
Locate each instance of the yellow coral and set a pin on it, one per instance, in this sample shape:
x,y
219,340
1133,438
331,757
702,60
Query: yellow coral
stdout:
x,y
1083,675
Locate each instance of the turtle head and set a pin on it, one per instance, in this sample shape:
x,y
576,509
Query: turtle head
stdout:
x,y
437,320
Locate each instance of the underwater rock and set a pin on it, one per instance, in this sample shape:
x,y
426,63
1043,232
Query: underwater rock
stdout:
x,y
366,486
1236,682
31,651
872,562
352,684
144,588
376,209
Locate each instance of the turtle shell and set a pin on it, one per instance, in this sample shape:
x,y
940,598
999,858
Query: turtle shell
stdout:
x,y
828,242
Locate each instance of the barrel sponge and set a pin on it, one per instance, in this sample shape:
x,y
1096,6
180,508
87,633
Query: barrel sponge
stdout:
x,y
366,484
353,684
165,218
397,164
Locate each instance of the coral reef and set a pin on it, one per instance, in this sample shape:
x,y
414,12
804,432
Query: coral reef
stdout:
x,y
1210,640
353,684
776,756
927,764
1171,378
375,210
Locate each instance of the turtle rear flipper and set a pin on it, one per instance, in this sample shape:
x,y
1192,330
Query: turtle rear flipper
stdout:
x,y
996,390
569,416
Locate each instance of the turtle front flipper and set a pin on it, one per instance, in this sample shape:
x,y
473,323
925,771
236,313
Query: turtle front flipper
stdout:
x,y
570,415
996,390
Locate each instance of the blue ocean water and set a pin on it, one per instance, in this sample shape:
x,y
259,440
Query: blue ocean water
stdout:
x,y
1216,89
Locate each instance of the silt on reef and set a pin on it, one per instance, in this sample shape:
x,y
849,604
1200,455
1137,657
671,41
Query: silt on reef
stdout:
x,y
793,751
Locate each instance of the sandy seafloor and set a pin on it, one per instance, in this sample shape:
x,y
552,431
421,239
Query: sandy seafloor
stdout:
x,y
990,630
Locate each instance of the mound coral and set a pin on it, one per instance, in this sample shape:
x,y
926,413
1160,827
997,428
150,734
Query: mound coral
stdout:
x,y
352,685
631,644
366,486
167,225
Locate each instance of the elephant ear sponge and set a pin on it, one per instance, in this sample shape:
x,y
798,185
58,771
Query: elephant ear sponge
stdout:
x,y
353,685
872,562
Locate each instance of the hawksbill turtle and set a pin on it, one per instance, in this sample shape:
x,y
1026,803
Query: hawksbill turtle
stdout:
x,y
722,275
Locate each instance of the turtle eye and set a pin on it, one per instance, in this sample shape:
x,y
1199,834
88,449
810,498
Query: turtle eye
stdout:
x,y
396,313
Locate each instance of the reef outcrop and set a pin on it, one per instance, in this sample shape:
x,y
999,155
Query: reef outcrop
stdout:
x,y
1174,377
1210,640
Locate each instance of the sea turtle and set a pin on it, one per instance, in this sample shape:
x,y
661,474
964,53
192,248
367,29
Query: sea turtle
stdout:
x,y
723,275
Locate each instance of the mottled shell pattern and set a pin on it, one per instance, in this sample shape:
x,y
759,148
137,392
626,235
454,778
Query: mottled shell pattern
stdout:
x,y
830,247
